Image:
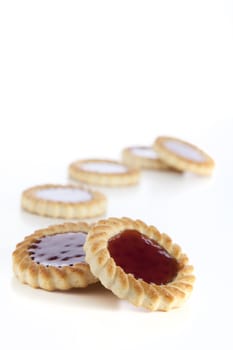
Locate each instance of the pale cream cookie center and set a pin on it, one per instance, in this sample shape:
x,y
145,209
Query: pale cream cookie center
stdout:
x,y
69,195
184,150
145,152
103,167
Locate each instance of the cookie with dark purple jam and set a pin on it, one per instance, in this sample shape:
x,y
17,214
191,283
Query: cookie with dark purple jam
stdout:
x,y
53,258
138,263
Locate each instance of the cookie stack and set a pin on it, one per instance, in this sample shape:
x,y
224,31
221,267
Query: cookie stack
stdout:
x,y
169,153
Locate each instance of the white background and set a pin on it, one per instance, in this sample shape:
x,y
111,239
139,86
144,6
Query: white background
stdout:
x,y
85,79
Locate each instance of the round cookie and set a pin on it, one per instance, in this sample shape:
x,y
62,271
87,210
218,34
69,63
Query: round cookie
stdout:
x,y
183,156
103,172
63,201
138,263
53,258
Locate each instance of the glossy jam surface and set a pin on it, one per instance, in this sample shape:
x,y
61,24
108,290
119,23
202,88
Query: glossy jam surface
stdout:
x,y
64,194
184,150
143,257
104,167
61,249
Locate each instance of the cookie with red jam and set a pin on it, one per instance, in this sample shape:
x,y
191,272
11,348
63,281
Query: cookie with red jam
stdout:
x,y
138,263
103,172
183,155
53,258
63,201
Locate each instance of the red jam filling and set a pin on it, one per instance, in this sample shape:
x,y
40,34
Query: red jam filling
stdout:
x,y
143,257
61,249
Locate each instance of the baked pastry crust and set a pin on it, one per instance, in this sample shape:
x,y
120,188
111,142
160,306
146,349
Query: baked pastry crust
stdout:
x,y
51,277
182,163
133,159
129,177
93,207
125,285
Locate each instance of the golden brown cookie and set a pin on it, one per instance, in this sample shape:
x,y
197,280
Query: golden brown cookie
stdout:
x,y
103,172
53,258
63,201
143,157
138,263
183,155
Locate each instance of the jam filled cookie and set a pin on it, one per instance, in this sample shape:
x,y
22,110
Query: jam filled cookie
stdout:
x,y
103,172
183,155
138,263
143,157
63,201
53,258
